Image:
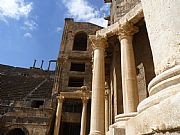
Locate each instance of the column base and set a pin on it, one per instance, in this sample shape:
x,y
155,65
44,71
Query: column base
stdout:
x,y
162,87
124,117
119,127
96,133
164,80
160,118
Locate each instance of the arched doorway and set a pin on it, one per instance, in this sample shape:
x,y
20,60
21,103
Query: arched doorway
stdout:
x,y
16,131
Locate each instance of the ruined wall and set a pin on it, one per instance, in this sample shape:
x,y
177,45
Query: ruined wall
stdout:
x,y
25,100
69,56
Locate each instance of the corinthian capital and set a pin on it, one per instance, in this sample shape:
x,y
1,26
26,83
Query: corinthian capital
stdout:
x,y
85,100
98,41
60,99
126,30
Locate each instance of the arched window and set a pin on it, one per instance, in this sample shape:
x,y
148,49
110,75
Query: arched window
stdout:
x,y
16,131
80,42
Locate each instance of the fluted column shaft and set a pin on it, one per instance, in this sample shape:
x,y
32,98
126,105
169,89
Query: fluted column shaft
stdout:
x,y
98,87
58,115
129,80
106,112
84,116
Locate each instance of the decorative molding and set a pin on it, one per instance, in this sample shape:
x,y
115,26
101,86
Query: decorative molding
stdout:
x,y
126,30
98,42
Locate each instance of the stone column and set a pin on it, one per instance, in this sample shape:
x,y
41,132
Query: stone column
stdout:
x,y
161,109
129,80
98,87
163,26
84,116
57,76
106,110
58,115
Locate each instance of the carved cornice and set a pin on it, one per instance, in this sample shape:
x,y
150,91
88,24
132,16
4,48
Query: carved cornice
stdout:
x,y
76,94
126,30
98,41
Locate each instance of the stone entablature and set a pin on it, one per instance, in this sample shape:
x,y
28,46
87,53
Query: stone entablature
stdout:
x,y
124,7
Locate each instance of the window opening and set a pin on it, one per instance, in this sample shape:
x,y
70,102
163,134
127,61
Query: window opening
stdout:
x,y
80,42
76,82
80,67
37,103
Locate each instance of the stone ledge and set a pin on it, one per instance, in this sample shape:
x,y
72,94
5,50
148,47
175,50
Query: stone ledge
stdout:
x,y
158,118
158,97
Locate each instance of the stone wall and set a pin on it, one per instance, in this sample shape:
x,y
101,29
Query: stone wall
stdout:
x,y
68,55
120,7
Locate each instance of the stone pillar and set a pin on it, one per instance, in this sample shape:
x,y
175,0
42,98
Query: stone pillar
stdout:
x,y
42,64
34,65
49,65
98,87
58,115
57,76
106,110
84,116
160,111
163,26
129,80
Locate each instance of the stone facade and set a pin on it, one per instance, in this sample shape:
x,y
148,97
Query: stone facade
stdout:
x,y
135,70
73,79
119,80
25,101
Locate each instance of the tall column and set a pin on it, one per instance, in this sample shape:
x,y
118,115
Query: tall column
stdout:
x,y
161,109
106,110
84,116
98,87
129,80
58,115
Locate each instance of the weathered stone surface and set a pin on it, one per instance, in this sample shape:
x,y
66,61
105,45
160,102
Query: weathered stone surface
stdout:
x,y
162,117
162,20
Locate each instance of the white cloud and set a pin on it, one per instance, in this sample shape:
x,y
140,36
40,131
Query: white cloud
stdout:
x,y
30,25
81,10
105,8
28,35
58,29
14,9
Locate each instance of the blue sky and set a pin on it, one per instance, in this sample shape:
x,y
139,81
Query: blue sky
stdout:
x,y
32,29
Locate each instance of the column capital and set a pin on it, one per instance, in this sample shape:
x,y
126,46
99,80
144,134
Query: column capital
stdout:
x,y
60,99
126,30
84,100
98,41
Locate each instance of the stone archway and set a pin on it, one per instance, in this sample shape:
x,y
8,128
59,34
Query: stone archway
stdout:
x,y
17,130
